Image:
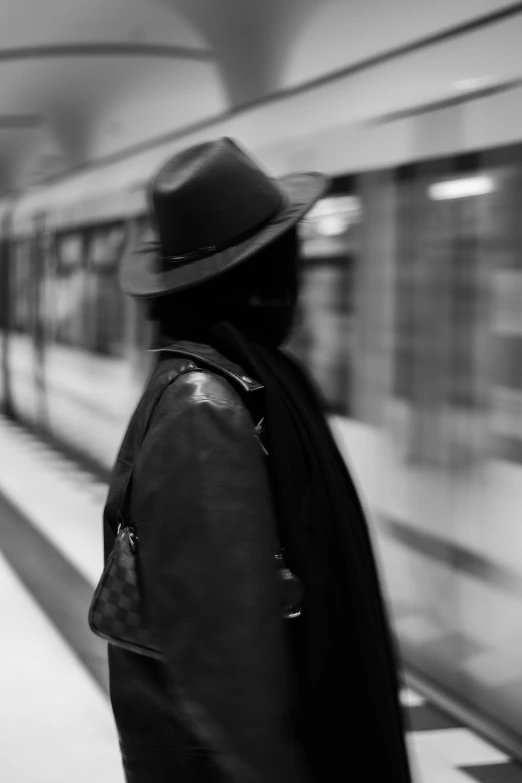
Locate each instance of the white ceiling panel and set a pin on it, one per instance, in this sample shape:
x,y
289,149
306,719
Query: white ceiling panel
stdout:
x,y
30,23
339,33
105,75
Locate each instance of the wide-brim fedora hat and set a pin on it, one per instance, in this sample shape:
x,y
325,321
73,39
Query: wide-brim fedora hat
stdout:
x,y
213,208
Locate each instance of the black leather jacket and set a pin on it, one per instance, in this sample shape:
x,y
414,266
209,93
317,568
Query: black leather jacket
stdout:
x,y
218,707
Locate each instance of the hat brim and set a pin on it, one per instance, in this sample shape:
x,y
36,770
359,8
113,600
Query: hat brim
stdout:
x,y
140,277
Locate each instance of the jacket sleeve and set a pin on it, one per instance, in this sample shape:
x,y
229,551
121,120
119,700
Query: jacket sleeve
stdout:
x,y
202,504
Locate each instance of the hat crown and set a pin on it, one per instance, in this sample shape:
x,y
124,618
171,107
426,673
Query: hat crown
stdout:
x,y
211,195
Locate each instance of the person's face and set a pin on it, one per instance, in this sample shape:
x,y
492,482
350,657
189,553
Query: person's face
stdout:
x,y
274,274
271,279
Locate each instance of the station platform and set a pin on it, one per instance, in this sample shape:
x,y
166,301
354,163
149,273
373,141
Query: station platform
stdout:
x,y
56,724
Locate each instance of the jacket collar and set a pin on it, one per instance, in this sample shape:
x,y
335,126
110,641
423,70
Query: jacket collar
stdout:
x,y
209,356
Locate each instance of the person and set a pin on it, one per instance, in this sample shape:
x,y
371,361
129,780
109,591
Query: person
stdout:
x,y
235,465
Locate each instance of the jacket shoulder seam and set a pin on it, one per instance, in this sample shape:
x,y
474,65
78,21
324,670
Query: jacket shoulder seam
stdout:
x,y
237,405
211,374
219,400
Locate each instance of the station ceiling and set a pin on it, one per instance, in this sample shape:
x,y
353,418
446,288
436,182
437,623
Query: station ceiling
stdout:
x,y
81,81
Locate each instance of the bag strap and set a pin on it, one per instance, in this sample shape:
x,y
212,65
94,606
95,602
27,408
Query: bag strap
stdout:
x,y
123,509
125,501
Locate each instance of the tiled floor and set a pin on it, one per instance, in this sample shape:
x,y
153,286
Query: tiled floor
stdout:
x,y
58,726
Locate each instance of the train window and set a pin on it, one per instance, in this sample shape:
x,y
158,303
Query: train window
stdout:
x,y
105,247
445,252
501,253
324,231
407,204
69,250
70,289
105,327
372,319
85,307
322,337
21,283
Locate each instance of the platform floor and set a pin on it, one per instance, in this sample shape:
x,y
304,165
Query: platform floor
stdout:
x,y
55,723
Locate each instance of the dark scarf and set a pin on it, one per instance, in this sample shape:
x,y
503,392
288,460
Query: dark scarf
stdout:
x,y
348,715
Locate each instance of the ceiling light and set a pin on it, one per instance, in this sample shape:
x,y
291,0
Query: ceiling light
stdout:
x,y
333,205
475,83
332,216
332,225
461,188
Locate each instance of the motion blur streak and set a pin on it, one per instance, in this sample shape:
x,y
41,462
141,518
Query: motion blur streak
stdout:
x,y
411,304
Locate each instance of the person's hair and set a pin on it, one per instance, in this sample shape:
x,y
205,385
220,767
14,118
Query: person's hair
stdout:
x,y
268,279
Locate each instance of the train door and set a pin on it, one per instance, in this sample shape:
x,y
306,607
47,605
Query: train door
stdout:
x,y
444,358
490,576
42,274
5,313
433,394
72,301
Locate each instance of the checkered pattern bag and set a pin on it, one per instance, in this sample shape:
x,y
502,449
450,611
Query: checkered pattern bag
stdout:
x,y
116,613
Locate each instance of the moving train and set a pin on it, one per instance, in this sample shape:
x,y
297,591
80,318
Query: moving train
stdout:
x,y
410,320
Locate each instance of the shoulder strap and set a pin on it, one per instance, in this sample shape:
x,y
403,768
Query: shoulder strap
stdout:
x,y
125,501
124,505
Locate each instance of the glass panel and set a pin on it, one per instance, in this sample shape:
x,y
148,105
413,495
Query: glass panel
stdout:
x,y
373,298
105,328
106,314
71,290
327,230
441,318
501,251
21,271
458,371
70,251
143,330
321,341
105,246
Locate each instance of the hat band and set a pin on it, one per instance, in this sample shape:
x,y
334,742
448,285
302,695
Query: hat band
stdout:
x,y
201,252
170,261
